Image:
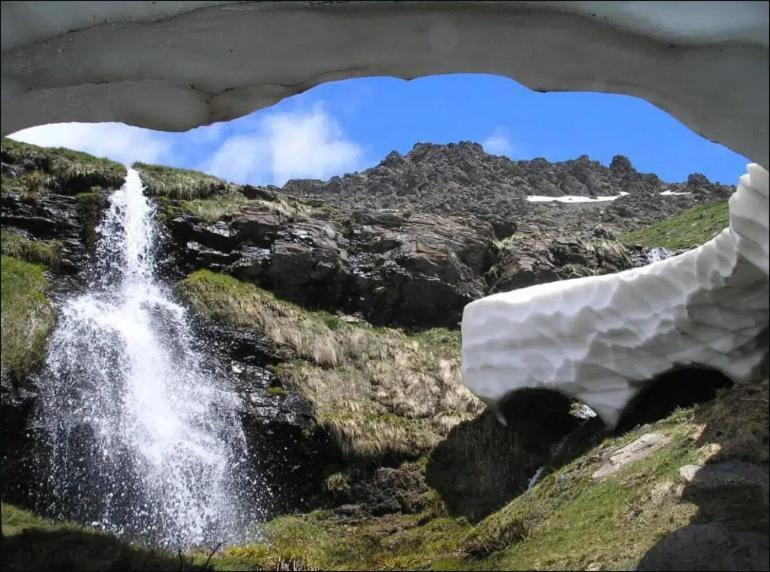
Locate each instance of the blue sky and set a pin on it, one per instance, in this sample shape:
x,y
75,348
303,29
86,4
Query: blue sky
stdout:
x,y
350,125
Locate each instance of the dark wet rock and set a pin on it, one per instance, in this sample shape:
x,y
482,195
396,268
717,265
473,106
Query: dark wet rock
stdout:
x,y
16,445
218,235
209,257
287,446
531,260
482,464
56,217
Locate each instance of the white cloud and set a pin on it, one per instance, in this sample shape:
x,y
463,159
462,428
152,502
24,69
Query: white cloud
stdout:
x,y
498,143
116,141
288,145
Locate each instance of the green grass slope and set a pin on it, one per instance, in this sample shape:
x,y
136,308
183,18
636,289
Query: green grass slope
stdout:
x,y
687,230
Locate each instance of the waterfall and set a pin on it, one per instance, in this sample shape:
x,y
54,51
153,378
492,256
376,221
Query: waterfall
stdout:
x,y
658,253
143,436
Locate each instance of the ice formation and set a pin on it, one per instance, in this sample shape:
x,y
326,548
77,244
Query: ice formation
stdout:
x,y
601,339
177,65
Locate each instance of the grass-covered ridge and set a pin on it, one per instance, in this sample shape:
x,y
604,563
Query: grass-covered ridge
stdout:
x,y
178,183
378,391
184,191
691,228
56,169
26,316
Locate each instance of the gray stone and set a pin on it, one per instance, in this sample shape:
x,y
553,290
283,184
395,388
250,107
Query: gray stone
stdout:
x,y
632,452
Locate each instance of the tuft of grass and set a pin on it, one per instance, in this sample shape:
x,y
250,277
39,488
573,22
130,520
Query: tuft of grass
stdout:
x,y
509,242
691,228
277,391
177,183
46,252
26,316
609,252
213,209
377,391
232,202
33,543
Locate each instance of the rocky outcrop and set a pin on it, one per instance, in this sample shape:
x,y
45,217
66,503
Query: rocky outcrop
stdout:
x,y
461,179
416,270
414,239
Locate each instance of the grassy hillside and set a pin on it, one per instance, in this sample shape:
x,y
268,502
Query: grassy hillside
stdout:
x,y
689,229
572,519
378,391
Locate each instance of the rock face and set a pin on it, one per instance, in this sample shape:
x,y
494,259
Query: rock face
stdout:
x,y
599,339
415,271
56,196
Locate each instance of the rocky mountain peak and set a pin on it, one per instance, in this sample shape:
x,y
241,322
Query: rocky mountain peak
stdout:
x,y
461,178
620,166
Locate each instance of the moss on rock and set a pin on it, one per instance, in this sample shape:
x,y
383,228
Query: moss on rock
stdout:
x,y
27,316
90,208
45,252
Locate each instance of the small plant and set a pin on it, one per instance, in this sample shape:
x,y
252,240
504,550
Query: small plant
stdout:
x,y
337,485
333,322
277,391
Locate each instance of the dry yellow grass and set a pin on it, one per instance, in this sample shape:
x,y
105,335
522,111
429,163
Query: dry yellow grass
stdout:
x,y
378,391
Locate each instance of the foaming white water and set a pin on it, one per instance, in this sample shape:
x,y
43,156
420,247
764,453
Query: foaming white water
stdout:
x,y
145,440
658,253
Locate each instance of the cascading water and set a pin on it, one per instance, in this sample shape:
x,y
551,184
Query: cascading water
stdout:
x,y
143,437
